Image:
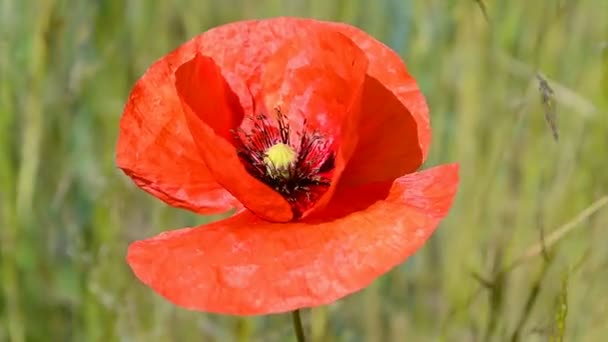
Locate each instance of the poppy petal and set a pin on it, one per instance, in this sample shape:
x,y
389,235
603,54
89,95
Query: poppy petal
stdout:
x,y
317,78
244,265
212,111
156,150
395,132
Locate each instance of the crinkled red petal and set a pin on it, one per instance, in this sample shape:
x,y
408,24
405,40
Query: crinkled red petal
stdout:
x,y
213,112
394,132
316,78
244,265
156,150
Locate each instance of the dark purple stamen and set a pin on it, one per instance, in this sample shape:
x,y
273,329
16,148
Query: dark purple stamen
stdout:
x,y
303,181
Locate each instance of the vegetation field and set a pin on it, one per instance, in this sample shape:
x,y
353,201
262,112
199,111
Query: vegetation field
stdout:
x,y
523,255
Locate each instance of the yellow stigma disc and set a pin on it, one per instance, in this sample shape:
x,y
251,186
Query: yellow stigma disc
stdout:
x,y
278,158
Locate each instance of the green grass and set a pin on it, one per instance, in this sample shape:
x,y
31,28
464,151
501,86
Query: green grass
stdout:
x,y
67,214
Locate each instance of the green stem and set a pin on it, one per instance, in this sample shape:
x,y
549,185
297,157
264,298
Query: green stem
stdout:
x,y
297,325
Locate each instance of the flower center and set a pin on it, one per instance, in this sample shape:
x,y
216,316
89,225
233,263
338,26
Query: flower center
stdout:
x,y
298,165
279,159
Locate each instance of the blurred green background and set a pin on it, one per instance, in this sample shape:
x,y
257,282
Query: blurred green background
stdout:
x,y
67,214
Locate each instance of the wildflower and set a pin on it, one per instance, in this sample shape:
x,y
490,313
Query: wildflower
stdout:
x,y
313,131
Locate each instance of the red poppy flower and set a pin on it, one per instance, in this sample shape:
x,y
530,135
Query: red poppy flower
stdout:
x,y
313,131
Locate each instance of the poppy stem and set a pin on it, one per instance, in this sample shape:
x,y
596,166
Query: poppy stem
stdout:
x,y
297,325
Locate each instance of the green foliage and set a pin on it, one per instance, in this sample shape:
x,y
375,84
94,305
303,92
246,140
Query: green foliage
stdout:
x,y
67,214
561,312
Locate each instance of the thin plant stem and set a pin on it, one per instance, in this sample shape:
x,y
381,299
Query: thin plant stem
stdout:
x,y
297,326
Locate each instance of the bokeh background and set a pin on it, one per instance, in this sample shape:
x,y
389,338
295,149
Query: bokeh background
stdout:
x,y
522,257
